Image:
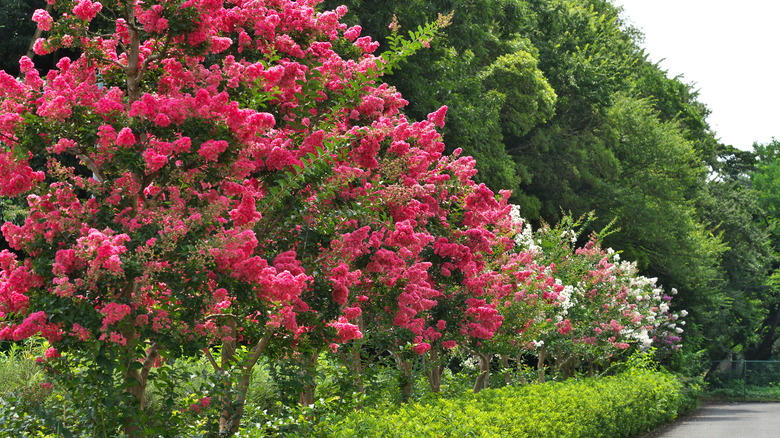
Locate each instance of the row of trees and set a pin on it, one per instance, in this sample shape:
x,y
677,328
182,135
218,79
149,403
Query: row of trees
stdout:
x,y
559,103
231,181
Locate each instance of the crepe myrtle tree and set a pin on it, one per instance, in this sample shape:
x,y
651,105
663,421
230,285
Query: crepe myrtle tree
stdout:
x,y
221,178
597,305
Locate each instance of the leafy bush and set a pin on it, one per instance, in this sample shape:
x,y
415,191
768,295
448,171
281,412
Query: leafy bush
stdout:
x,y
627,404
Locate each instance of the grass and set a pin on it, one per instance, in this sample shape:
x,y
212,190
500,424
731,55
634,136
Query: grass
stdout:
x,y
18,370
745,393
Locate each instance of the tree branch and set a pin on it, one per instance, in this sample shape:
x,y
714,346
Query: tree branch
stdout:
x,y
210,357
151,358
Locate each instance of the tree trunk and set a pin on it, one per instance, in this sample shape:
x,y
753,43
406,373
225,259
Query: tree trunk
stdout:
x,y
309,379
355,362
133,69
405,379
540,363
243,385
483,379
566,367
227,361
763,351
435,370
137,381
233,408
519,363
356,365
505,369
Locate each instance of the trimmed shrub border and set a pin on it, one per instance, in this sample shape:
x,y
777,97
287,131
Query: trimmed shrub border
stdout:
x,y
624,405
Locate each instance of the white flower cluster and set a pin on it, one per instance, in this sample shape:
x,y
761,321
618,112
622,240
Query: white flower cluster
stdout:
x,y
514,214
525,239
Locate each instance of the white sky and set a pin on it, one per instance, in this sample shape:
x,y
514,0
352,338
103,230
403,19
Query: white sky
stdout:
x,y
729,50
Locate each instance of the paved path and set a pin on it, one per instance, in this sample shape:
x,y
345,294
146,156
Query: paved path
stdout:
x,y
731,420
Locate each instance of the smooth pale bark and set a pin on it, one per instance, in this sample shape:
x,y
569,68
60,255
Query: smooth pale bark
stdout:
x,y
483,379
505,368
229,422
405,379
307,396
435,370
540,363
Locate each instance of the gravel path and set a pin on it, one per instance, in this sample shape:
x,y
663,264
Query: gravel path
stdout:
x,y
728,420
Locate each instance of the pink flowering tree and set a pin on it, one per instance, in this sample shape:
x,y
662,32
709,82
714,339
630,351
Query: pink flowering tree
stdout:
x,y
441,293
228,179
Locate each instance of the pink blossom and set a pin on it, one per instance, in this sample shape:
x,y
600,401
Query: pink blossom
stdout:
x,y
280,286
421,348
352,312
346,331
41,47
366,44
342,279
63,145
564,326
183,144
449,344
162,120
33,324
437,117
65,261
113,313
154,160
18,175
80,332
43,19
152,19
288,261
115,337
220,44
246,212
87,10
210,149
125,137
353,32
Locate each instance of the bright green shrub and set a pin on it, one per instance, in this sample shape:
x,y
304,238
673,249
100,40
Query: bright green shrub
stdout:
x,y
619,406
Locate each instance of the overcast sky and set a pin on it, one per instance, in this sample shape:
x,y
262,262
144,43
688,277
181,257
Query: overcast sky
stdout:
x,y
729,50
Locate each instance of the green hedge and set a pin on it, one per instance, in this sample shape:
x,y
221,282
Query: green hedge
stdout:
x,y
619,406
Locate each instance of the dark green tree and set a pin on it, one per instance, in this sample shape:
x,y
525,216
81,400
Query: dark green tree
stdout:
x,y
479,66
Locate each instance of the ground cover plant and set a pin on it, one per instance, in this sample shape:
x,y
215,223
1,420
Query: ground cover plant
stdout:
x,y
212,185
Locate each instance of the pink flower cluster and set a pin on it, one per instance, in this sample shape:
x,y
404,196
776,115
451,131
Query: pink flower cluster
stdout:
x,y
43,19
18,176
16,281
103,250
87,9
